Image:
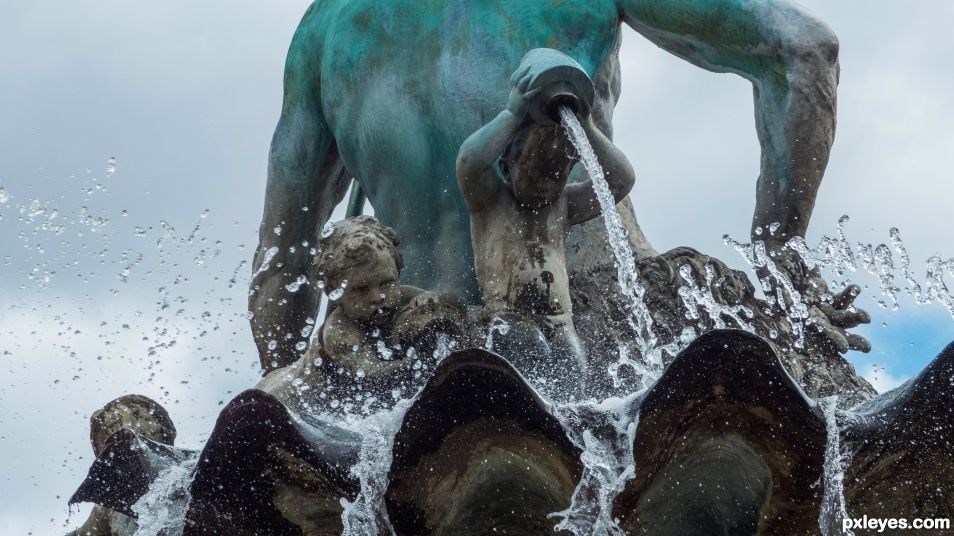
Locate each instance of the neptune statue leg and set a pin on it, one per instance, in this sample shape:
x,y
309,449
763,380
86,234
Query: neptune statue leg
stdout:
x,y
306,180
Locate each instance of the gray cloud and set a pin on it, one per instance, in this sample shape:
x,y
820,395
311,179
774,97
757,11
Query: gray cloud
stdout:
x,y
185,96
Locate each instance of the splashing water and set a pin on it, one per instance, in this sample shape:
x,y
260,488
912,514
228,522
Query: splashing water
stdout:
x,y
163,508
693,296
367,514
235,273
605,432
266,261
836,254
161,511
76,238
833,509
778,287
296,284
498,325
608,453
639,318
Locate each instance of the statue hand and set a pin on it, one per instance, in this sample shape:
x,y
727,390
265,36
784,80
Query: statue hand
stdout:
x,y
519,101
830,316
422,300
836,316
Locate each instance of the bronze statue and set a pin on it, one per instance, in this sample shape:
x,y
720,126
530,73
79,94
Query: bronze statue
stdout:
x,y
513,173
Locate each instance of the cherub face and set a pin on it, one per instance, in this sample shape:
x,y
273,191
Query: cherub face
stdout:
x,y
373,291
537,165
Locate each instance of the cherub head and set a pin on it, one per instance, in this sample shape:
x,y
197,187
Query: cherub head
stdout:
x,y
360,264
537,163
138,413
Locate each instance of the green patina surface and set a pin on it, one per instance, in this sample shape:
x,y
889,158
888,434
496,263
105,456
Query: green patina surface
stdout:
x,y
399,85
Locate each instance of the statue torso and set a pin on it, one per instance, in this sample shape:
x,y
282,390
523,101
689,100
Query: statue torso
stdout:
x,y
403,83
521,257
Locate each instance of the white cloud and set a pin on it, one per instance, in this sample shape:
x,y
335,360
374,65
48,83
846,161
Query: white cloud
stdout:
x,y
880,378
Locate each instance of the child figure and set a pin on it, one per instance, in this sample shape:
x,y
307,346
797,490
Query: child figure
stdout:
x,y
513,174
374,319
374,315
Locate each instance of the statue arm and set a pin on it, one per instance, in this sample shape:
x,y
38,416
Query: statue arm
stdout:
x,y
582,204
347,347
477,156
791,58
306,180
479,152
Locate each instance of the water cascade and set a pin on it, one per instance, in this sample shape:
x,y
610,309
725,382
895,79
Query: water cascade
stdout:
x,y
608,452
605,432
161,511
833,508
367,514
639,318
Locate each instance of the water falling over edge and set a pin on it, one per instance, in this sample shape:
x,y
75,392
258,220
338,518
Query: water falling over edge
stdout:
x,y
833,509
607,457
162,510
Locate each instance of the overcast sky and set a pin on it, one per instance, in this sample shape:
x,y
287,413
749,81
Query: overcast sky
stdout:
x,y
118,280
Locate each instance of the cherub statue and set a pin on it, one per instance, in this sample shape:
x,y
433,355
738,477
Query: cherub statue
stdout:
x,y
513,174
139,414
374,323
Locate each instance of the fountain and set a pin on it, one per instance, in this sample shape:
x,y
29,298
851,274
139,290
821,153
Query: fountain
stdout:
x,y
595,386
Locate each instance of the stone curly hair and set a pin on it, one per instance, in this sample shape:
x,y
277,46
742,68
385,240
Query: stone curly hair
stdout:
x,y
350,244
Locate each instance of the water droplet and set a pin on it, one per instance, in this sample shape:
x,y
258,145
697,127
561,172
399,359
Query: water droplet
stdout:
x,y
110,167
36,209
383,351
336,294
266,261
296,284
4,195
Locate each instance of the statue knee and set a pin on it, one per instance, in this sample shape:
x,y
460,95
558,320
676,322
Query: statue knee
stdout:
x,y
517,338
